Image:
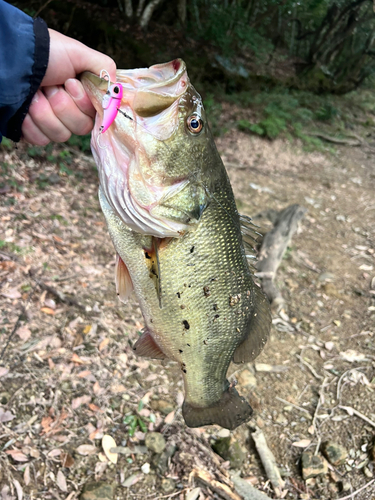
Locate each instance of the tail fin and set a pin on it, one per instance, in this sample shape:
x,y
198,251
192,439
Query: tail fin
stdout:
x,y
230,411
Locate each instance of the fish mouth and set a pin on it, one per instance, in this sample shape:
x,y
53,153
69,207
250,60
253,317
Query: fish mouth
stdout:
x,y
148,91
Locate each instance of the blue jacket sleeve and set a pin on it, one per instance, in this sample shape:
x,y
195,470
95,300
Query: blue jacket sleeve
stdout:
x,y
24,52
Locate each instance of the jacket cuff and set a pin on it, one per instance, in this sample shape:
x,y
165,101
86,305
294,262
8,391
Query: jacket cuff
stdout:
x,y
41,56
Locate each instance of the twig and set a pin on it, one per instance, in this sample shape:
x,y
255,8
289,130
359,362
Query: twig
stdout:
x,y
221,489
268,461
316,375
341,378
61,296
42,8
352,411
348,497
171,494
295,406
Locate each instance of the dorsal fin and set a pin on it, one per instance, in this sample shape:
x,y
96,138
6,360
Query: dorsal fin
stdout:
x,y
124,284
249,237
259,329
147,347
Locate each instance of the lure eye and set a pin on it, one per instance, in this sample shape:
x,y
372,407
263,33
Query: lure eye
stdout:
x,y
116,90
194,124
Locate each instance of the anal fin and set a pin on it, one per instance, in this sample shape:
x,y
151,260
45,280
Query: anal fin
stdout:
x,y
229,412
259,329
124,284
147,347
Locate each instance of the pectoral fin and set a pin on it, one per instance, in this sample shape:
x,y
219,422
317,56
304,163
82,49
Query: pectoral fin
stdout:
x,y
147,347
124,285
258,331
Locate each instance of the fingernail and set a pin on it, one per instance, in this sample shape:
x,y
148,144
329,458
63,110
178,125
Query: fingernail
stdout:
x,y
50,91
74,88
35,98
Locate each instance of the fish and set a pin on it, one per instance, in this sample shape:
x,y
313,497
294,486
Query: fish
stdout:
x,y
180,242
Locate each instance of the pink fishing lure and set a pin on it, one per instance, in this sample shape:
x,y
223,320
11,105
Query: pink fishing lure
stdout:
x,y
111,103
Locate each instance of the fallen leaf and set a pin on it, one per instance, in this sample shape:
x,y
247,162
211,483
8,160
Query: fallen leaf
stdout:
x,y
97,389
54,453
18,489
131,480
86,449
304,443
24,333
94,407
87,329
103,344
12,293
3,371
96,434
82,400
84,373
50,303
76,359
170,417
66,460
26,475
17,455
48,310
61,481
118,388
6,416
5,493
107,443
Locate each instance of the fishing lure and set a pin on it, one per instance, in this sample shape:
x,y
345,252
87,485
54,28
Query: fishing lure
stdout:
x,y
110,103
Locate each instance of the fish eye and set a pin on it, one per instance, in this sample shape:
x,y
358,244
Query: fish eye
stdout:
x,y
116,90
194,124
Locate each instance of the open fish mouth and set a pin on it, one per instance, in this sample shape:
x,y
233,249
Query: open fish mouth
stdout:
x,y
131,155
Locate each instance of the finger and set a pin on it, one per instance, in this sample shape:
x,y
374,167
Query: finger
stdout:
x,y
32,134
66,110
77,93
45,119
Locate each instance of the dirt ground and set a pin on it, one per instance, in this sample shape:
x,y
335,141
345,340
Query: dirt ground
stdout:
x,y
68,375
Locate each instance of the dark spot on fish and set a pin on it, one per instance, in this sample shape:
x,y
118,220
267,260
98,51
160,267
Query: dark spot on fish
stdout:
x,y
206,291
189,286
154,272
186,324
192,249
182,307
178,295
217,316
180,351
188,345
184,370
205,342
215,307
147,255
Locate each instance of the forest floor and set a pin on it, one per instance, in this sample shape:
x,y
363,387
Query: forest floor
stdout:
x,y
68,375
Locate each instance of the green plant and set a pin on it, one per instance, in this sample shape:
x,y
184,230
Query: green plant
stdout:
x,y
134,421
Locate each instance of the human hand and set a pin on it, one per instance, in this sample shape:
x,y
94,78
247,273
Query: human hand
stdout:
x,y
61,107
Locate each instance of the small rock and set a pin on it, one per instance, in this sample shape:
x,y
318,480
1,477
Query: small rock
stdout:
x,y
145,468
97,491
345,486
334,453
313,465
163,406
155,442
230,449
161,462
331,291
324,277
168,485
281,419
367,472
247,379
223,433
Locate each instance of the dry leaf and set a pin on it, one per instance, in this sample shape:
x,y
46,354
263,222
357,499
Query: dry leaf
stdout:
x,y
84,373
86,449
76,359
82,400
50,303
94,407
24,333
87,329
48,310
304,443
67,460
96,434
54,453
12,293
170,417
17,455
3,371
103,344
352,356
5,493
97,389
118,388
18,489
131,480
61,481
6,416
26,475
107,443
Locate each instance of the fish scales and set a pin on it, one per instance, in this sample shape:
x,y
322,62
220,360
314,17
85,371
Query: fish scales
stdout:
x,y
200,304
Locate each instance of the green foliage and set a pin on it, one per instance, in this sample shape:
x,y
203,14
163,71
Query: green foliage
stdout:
x,y
82,142
213,110
135,421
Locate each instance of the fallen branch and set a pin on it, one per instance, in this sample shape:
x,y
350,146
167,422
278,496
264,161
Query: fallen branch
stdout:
x,y
273,247
221,489
351,496
336,140
268,461
351,411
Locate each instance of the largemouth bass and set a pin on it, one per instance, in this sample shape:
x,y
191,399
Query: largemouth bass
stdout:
x,y
173,221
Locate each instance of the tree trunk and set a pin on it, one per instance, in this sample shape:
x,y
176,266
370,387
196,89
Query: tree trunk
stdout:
x,y
147,13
